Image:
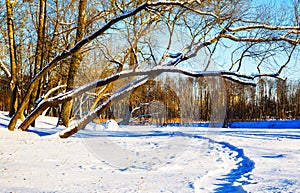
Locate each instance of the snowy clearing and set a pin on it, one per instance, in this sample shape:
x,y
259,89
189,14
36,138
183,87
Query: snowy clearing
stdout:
x,y
148,159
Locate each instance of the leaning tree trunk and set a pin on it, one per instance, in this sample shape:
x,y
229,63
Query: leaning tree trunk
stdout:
x,y
13,60
75,62
100,109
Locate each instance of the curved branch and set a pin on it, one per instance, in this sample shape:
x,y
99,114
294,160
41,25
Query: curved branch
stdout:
x,y
65,54
288,60
267,39
93,114
242,56
78,46
293,29
59,99
152,73
51,91
193,49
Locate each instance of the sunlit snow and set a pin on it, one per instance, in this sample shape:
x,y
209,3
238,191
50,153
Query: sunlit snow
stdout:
x,y
113,158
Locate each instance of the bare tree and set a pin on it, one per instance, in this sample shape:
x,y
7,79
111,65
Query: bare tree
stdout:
x,y
208,25
39,53
76,59
13,59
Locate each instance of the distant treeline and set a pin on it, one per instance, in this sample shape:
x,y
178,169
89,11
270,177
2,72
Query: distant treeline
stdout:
x,y
182,99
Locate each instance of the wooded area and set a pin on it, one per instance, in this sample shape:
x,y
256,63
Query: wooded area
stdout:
x,y
184,100
85,59
190,100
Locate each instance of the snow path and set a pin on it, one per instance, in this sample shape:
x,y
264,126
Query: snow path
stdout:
x,y
149,159
233,181
30,163
229,175
276,153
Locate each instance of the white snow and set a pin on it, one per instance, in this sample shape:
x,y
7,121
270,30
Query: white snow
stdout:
x,y
146,159
112,125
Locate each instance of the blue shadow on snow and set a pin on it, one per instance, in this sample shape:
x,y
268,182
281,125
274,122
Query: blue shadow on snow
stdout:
x,y
244,166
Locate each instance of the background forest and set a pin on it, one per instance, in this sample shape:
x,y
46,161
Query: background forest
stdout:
x,y
182,99
172,61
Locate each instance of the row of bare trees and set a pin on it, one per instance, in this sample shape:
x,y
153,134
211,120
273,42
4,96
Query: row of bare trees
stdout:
x,y
271,99
55,52
185,100
188,100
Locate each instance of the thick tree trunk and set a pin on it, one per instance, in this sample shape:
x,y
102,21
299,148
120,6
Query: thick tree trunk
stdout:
x,y
54,62
13,60
62,98
213,29
75,62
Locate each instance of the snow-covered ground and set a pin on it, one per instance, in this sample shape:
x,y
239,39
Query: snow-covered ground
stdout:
x,y
148,159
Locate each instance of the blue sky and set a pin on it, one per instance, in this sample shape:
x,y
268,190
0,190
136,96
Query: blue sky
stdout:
x,y
293,69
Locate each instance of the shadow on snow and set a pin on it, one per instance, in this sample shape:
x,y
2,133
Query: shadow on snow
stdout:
x,y
238,175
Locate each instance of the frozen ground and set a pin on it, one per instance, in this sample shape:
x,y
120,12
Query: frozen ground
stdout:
x,y
148,159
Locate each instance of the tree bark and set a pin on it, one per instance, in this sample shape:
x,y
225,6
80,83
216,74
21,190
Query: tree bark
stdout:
x,y
75,62
13,60
39,55
55,61
105,81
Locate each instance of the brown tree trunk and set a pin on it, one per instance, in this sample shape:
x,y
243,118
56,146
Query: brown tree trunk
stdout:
x,y
39,54
13,60
55,61
75,62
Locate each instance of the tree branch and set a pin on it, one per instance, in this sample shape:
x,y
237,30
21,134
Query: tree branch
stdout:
x,y
293,29
227,32
78,46
288,60
151,73
4,68
262,39
65,54
93,114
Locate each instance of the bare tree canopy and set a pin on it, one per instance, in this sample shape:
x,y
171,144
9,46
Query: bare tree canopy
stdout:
x,y
89,45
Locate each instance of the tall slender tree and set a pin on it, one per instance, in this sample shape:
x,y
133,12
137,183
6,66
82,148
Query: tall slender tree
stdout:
x,y
76,59
13,59
39,52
